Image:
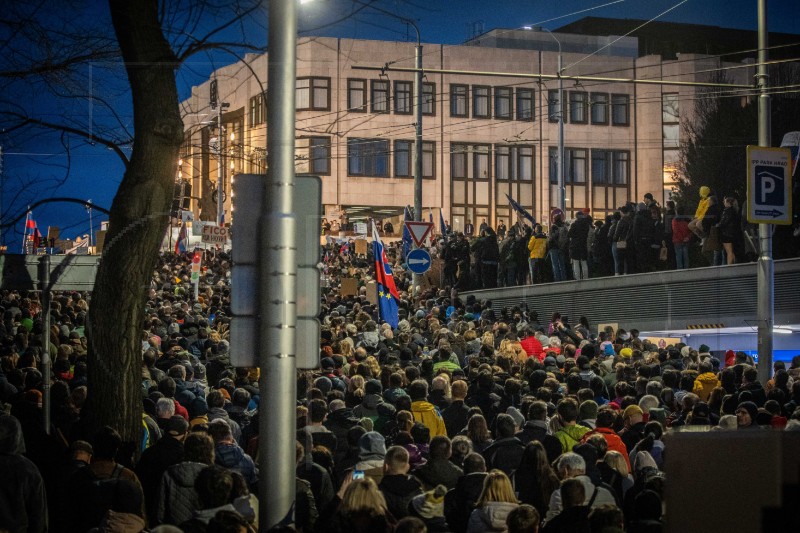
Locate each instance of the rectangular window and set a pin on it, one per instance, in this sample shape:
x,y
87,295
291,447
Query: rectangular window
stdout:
x,y
428,158
502,102
319,152
357,96
502,162
620,109
553,166
313,94
553,107
380,96
459,100
621,167
599,108
576,163
368,157
402,97
525,104
525,163
601,166
670,108
458,161
257,114
480,162
480,101
428,98
671,135
577,107
402,159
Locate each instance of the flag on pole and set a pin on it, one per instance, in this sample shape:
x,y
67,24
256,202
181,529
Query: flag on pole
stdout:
x,y
521,210
406,233
442,225
384,281
183,236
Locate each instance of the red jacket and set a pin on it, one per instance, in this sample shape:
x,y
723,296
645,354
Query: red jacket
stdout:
x,y
532,347
680,231
614,442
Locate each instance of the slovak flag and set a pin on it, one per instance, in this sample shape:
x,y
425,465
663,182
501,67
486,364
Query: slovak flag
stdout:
x,y
387,291
180,244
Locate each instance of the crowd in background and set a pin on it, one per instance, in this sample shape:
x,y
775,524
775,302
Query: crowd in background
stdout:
x,y
464,418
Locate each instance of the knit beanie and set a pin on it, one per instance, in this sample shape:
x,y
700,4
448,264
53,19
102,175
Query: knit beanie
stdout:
x,y
587,410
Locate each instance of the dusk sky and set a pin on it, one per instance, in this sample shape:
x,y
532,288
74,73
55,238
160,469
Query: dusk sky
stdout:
x,y
96,172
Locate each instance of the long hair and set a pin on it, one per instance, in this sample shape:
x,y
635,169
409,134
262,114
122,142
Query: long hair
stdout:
x,y
534,468
496,488
617,462
477,430
363,496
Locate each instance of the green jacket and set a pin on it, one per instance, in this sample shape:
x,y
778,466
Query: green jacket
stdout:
x,y
569,436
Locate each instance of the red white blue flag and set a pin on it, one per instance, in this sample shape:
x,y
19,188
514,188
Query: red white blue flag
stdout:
x,y
183,236
388,296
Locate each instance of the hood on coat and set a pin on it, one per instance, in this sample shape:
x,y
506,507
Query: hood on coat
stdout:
x,y
422,406
11,441
185,473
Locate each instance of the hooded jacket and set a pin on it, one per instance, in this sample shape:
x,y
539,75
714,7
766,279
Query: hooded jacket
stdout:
x,y
426,414
232,457
613,440
569,436
491,516
704,384
23,505
537,246
368,408
399,490
177,498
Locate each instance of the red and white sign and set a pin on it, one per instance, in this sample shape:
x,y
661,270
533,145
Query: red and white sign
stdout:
x,y
215,234
419,230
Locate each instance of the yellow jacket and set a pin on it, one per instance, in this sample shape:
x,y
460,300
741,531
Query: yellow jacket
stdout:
x,y
426,414
704,384
702,207
537,246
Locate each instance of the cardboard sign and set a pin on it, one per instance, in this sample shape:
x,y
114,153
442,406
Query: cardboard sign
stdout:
x,y
372,292
215,234
361,247
349,287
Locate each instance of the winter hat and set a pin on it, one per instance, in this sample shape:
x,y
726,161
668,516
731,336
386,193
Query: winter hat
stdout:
x,y
632,410
704,192
608,350
373,386
588,351
430,504
198,407
727,422
659,414
643,460
704,348
327,363
626,353
701,410
371,446
519,420
583,363
324,384
751,408
730,358
587,410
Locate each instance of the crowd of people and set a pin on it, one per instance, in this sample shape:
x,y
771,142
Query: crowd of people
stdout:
x,y
641,237
463,418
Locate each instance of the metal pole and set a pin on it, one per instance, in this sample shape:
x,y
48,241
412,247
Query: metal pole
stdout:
x,y
766,267
44,286
221,167
418,151
562,167
91,226
278,277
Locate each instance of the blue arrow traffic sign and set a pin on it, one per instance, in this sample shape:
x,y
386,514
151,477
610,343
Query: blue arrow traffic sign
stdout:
x,y
419,261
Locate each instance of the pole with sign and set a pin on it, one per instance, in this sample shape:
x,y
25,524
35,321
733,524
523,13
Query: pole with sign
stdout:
x,y
769,185
196,261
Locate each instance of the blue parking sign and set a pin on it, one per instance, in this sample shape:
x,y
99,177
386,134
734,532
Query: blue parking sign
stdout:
x,y
769,199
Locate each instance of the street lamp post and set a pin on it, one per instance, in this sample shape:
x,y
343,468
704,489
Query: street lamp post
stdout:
x,y
562,188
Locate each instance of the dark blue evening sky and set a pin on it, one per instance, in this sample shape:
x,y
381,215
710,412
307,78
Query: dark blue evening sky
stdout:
x,y
96,172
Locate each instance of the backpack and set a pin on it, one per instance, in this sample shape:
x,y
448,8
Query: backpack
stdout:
x,y
102,492
563,237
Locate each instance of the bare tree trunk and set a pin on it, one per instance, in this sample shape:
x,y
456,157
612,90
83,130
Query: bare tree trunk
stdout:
x,y
139,217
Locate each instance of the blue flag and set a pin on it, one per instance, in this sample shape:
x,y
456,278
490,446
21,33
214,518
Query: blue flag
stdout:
x,y
442,225
521,210
384,280
406,233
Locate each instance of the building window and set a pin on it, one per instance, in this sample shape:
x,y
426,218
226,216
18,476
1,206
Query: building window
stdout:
x,y
620,109
368,157
319,155
525,104
402,97
313,94
257,114
459,100
465,167
428,98
480,101
404,159
670,108
576,165
458,161
553,107
357,96
577,107
380,96
610,167
599,108
502,102
513,163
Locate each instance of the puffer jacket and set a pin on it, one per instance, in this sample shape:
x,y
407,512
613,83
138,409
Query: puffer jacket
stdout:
x,y
177,498
233,457
537,246
427,414
704,384
491,516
